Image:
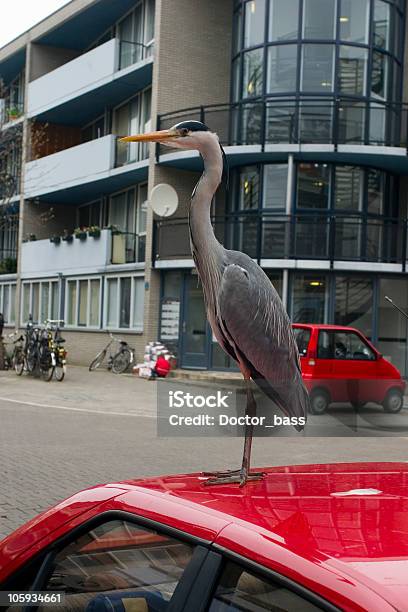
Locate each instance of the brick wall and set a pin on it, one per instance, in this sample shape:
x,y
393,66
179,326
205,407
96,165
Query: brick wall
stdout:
x,y
192,67
82,346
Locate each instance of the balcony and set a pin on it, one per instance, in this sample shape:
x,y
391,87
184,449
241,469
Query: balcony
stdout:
x,y
317,129
81,173
42,258
79,90
336,241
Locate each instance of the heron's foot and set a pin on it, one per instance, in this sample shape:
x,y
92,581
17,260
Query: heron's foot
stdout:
x,y
240,477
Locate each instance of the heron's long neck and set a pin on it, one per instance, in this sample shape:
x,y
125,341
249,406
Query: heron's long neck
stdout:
x,y
204,244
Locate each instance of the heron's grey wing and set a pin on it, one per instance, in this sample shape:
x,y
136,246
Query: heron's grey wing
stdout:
x,y
255,322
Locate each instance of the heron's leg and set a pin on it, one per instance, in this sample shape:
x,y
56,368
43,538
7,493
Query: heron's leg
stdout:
x,y
241,476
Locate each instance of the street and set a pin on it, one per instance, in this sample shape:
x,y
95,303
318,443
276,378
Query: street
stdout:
x,y
57,438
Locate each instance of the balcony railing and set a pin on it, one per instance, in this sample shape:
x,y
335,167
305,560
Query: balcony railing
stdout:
x,y
305,120
301,236
127,247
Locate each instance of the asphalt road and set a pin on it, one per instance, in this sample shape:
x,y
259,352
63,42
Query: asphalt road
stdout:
x,y
57,438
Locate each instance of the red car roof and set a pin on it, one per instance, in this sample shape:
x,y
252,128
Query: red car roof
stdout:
x,y
325,326
340,529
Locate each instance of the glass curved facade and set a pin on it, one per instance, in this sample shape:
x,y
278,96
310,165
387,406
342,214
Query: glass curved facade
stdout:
x,y
315,211
325,69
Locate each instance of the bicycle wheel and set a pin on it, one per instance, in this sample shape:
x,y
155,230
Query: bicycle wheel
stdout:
x,y
120,361
98,360
59,372
47,374
18,361
32,360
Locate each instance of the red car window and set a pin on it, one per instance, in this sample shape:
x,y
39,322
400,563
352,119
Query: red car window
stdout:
x,y
325,345
302,337
242,591
343,345
128,561
348,345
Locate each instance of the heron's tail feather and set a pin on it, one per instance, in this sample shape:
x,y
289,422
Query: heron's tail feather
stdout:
x,y
292,398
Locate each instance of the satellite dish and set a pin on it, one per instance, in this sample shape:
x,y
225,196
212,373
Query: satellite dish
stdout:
x,y
164,200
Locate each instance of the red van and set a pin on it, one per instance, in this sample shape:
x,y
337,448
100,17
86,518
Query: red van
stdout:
x,y
340,365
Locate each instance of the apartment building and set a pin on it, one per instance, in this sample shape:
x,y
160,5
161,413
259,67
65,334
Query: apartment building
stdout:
x,y
307,97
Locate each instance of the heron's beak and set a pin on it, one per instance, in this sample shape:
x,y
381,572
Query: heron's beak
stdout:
x,y
160,136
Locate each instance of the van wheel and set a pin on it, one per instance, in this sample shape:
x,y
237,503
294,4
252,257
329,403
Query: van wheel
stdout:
x,y
393,401
319,401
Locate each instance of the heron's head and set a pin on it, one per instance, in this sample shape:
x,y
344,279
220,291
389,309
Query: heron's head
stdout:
x,y
184,135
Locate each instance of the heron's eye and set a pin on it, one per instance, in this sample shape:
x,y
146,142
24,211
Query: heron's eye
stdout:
x,y
184,131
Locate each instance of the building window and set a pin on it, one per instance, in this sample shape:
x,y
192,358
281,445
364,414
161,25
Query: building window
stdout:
x,y
93,130
8,302
83,302
128,213
354,21
349,186
275,182
317,68
309,298
362,63
253,73
392,327
319,19
282,69
376,190
89,214
132,118
254,33
354,303
381,34
14,97
248,188
8,241
313,186
283,20
124,302
136,33
353,70
40,300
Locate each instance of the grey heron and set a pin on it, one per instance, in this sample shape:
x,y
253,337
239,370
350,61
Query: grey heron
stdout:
x,y
243,308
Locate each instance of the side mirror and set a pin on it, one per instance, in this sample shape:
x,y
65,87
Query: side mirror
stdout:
x,y
379,356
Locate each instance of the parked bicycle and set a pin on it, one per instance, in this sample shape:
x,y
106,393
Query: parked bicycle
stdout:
x,y
118,361
42,353
57,348
14,359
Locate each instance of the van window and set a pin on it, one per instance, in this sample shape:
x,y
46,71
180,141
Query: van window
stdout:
x,y
325,345
348,345
302,337
343,345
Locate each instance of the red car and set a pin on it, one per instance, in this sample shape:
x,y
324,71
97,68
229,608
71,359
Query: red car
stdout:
x,y
340,365
302,539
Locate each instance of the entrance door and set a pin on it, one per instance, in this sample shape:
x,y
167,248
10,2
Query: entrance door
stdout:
x,y
194,340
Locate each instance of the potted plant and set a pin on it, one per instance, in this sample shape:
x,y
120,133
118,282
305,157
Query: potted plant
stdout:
x,y
67,236
94,231
114,229
80,233
55,239
8,266
13,113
